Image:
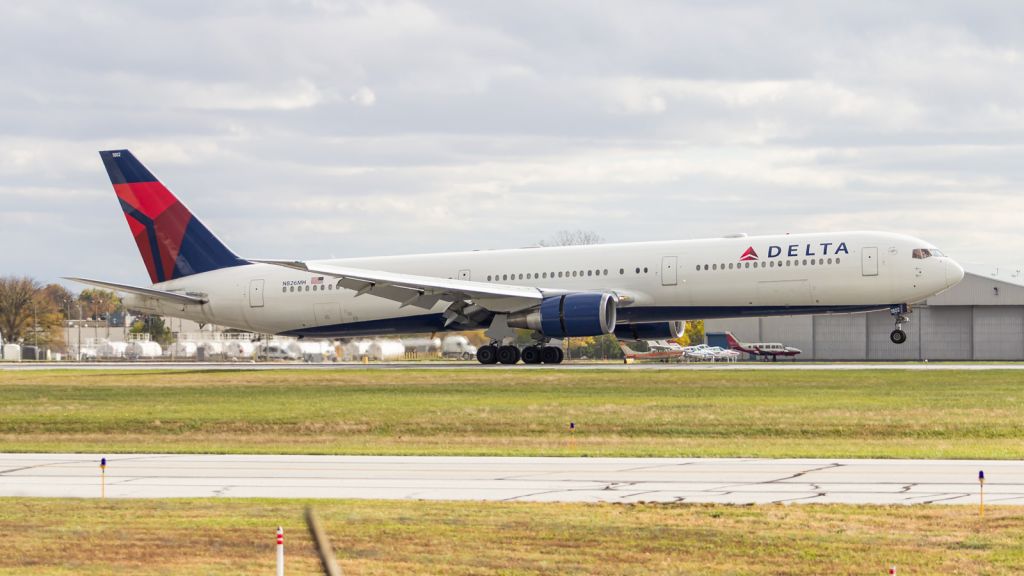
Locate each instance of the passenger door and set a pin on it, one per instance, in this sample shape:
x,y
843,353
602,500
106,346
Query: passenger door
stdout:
x,y
256,293
869,261
669,272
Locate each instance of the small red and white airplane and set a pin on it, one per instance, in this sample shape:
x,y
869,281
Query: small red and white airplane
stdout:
x,y
766,349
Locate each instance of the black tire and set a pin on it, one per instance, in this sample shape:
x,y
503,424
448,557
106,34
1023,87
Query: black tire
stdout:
x,y
508,354
561,355
551,355
532,355
487,354
898,336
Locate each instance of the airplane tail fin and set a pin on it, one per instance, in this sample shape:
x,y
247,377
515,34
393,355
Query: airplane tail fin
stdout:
x,y
733,343
173,242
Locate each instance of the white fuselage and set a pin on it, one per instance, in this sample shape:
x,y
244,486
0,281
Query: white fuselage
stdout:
x,y
656,281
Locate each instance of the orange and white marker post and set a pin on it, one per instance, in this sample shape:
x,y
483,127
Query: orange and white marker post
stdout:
x,y
981,493
280,551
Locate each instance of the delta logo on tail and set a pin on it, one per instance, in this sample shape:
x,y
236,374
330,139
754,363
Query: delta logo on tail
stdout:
x,y
173,242
749,255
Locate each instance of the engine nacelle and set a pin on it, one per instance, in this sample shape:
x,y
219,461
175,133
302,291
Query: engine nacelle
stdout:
x,y
651,331
581,314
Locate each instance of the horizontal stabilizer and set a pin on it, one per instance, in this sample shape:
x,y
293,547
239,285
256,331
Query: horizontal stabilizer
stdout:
x,y
175,297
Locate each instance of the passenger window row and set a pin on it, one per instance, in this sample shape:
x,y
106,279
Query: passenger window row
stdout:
x,y
768,264
307,288
560,274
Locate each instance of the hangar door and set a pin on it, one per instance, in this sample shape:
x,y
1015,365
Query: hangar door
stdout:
x,y
869,261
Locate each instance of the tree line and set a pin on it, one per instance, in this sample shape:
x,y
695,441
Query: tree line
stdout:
x,y
34,313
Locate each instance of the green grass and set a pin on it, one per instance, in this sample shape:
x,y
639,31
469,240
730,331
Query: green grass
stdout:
x,y
234,536
883,413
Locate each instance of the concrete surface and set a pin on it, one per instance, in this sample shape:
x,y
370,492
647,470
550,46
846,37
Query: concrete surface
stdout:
x,y
725,480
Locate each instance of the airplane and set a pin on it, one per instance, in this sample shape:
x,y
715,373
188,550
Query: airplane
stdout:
x,y
664,350
767,349
643,290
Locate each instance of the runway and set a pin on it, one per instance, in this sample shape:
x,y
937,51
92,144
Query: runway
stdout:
x,y
624,480
470,365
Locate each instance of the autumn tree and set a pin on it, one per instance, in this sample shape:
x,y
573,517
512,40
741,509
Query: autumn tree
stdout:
x,y
28,312
97,304
155,327
16,306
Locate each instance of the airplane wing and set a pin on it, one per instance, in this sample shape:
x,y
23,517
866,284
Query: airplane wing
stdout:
x,y
175,297
424,291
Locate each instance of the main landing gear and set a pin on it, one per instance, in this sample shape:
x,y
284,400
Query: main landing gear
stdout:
x,y
901,312
508,354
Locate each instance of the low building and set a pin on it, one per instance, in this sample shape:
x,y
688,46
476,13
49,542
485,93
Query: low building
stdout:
x,y
981,318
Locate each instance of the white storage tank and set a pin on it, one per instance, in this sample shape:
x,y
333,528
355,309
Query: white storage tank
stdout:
x,y
355,350
239,349
181,350
112,350
143,349
422,345
12,352
212,348
386,350
87,354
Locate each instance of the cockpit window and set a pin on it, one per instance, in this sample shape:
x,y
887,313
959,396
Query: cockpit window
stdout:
x,y
922,253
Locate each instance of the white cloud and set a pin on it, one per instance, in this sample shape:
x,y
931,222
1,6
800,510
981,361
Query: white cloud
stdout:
x,y
363,97
500,124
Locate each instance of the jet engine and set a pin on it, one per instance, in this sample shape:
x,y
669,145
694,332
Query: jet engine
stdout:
x,y
579,314
650,331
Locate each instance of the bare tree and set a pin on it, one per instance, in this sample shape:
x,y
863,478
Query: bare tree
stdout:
x,y
573,238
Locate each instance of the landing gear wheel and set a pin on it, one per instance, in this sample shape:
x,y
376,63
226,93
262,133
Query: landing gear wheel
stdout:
x,y
898,336
552,355
487,354
532,355
508,354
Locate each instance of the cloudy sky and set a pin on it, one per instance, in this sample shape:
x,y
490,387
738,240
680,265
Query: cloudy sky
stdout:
x,y
311,129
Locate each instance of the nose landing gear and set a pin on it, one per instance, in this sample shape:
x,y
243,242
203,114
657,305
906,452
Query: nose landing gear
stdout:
x,y
901,312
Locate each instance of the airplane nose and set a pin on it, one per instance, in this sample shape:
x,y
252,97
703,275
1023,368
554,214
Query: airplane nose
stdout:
x,y
954,273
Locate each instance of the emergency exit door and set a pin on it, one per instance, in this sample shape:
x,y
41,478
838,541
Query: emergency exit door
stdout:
x,y
869,261
669,274
256,293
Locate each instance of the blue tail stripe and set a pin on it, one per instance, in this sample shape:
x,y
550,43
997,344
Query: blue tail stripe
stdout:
x,y
123,168
200,251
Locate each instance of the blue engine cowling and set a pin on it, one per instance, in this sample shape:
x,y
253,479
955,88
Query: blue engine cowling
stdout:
x,y
580,314
651,331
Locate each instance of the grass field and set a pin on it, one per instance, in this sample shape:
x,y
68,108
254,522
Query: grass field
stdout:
x,y
940,414
644,413
218,536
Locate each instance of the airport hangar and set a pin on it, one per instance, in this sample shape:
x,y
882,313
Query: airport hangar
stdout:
x,y
981,318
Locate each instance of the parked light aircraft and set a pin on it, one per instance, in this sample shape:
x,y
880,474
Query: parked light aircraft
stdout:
x,y
664,350
637,291
766,349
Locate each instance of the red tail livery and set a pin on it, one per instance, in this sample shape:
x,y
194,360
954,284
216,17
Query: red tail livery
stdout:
x,y
172,241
